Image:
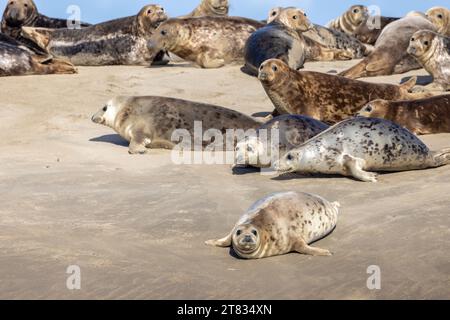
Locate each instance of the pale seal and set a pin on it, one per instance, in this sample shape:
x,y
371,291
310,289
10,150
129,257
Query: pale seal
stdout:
x,y
282,223
210,8
348,22
210,42
390,55
149,122
432,51
423,116
370,31
440,17
23,13
118,42
280,39
275,138
325,97
330,38
359,147
17,59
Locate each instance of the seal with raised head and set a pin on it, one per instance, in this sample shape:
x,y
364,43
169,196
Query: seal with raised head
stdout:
x,y
23,13
350,20
440,17
370,31
275,138
150,122
390,55
210,8
330,38
16,59
282,223
325,97
210,42
280,39
359,147
432,51
118,42
423,116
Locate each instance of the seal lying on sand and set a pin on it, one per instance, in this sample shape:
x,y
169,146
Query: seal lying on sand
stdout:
x,y
261,149
369,32
325,97
423,116
210,8
390,55
330,38
210,42
280,39
432,51
282,223
117,42
16,60
23,13
440,17
150,122
359,145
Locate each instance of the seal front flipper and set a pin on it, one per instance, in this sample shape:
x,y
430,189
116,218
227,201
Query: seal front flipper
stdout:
x,y
139,144
354,167
40,36
224,242
207,62
302,247
441,158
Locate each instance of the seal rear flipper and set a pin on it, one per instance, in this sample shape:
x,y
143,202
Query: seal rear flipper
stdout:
x,y
409,85
54,66
355,72
442,158
40,36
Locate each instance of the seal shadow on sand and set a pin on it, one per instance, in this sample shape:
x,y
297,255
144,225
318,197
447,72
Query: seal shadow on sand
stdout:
x,y
302,176
112,139
421,80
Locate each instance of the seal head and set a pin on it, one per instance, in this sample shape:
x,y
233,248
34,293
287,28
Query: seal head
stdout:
x,y
20,12
440,17
246,239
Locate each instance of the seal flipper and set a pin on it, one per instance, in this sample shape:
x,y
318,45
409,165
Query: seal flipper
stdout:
x,y
441,158
354,167
302,247
40,36
409,85
224,242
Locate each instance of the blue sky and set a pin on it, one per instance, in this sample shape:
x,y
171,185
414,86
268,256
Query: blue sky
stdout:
x,y
320,11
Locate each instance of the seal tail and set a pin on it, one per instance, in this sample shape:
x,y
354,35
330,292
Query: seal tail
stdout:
x,y
442,158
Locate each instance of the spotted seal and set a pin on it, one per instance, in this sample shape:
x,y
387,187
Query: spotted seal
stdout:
x,y
118,42
423,116
432,51
149,122
325,97
440,17
24,13
330,38
359,147
390,55
17,59
210,8
282,223
275,138
210,42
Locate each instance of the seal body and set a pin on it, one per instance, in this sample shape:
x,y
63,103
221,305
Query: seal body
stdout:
x,y
432,51
325,97
370,31
24,13
348,22
150,122
210,42
275,138
360,146
282,223
423,116
440,17
117,42
281,39
16,59
210,8
390,55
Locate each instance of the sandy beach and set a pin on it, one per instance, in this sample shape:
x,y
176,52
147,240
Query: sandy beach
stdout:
x,y
71,194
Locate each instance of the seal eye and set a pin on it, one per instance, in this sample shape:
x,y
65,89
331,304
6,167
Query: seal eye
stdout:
x,y
440,16
164,32
295,17
105,108
413,39
255,233
369,109
238,233
356,11
274,13
290,157
426,43
275,68
305,14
